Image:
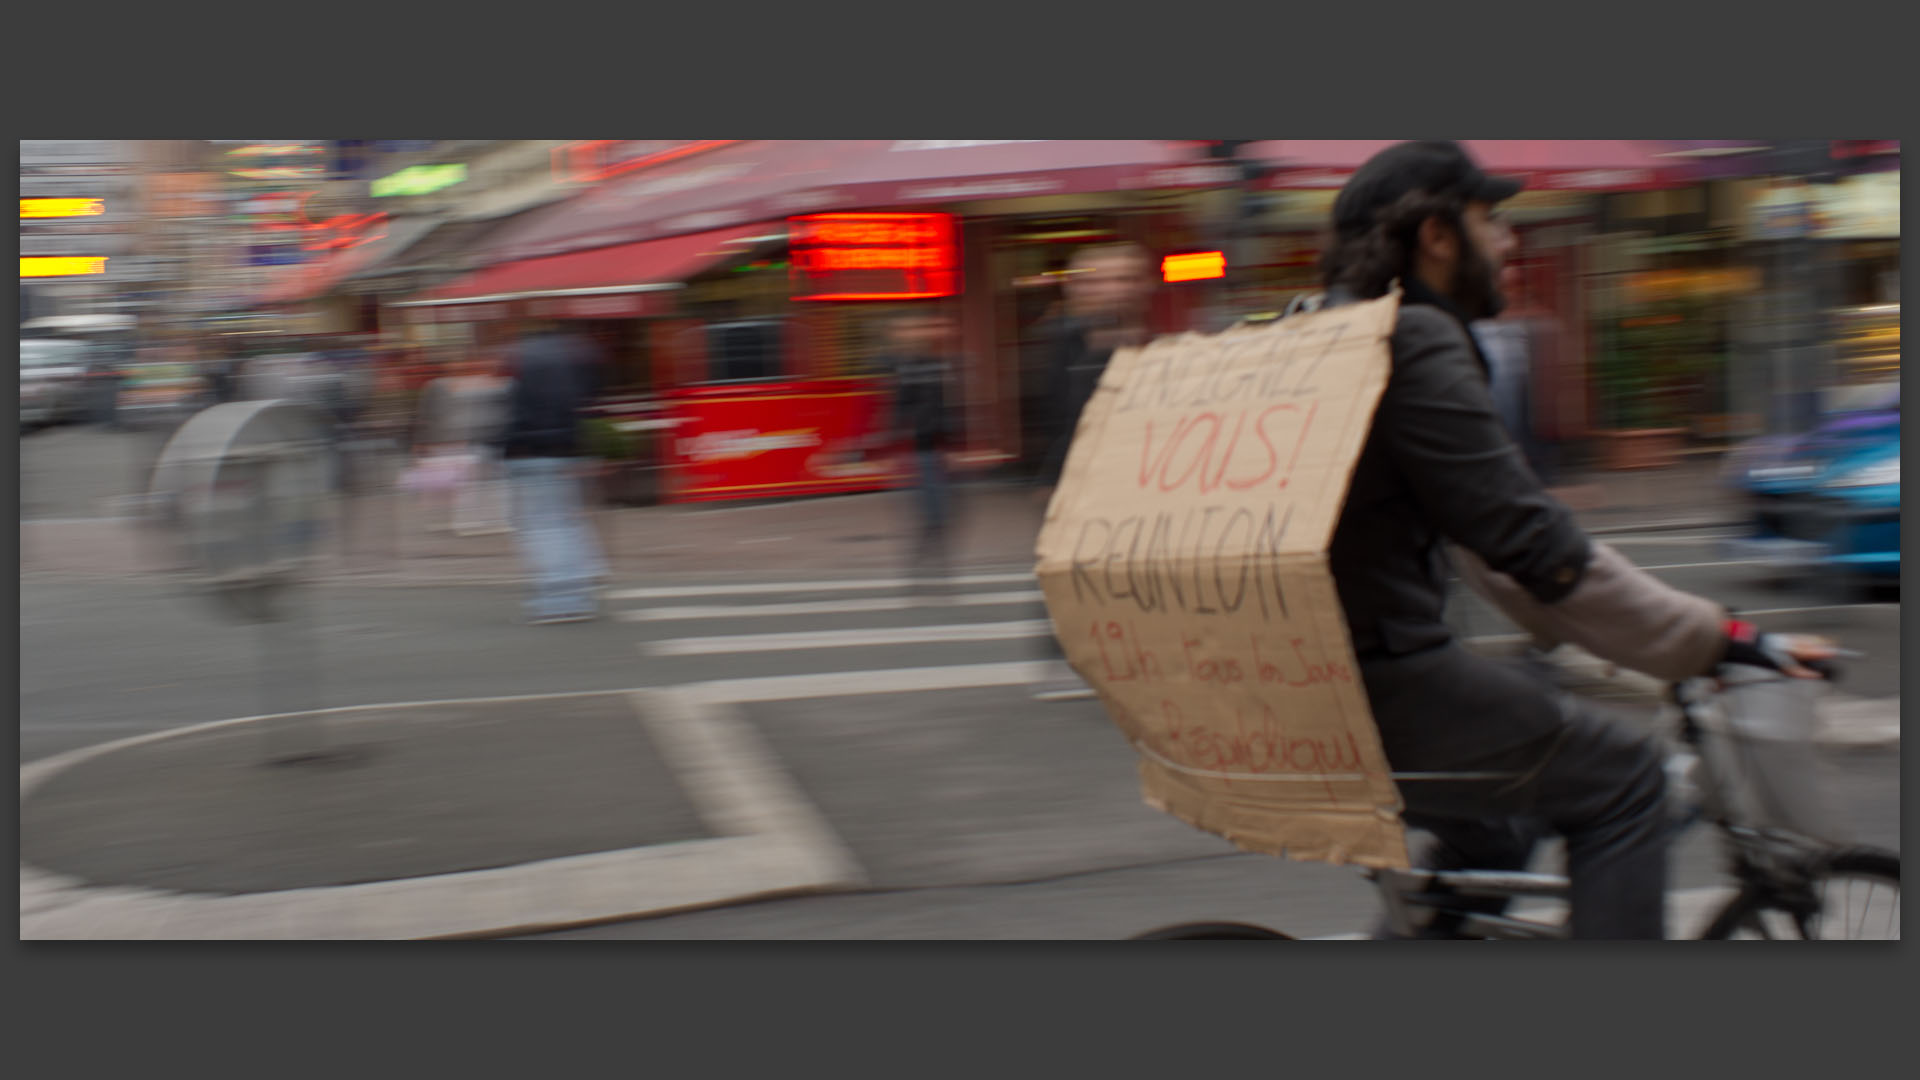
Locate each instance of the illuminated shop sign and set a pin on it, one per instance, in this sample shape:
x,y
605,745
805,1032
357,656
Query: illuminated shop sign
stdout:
x,y
873,256
62,265
61,208
419,180
1193,266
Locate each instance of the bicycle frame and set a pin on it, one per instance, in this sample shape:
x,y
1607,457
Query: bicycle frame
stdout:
x,y
1769,860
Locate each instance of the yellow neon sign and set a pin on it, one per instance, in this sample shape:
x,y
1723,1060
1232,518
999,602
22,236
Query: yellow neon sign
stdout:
x,y
59,208
61,265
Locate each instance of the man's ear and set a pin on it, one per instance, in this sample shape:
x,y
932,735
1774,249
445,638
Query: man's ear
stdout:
x,y
1438,240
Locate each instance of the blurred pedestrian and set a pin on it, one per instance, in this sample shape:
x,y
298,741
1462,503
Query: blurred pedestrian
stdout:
x,y
223,374
106,374
1106,293
458,422
925,420
1510,343
553,381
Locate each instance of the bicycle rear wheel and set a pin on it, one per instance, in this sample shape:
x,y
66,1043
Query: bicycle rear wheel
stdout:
x,y
1213,931
1855,895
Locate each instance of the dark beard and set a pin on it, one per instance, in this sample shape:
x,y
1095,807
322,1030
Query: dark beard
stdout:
x,y
1476,286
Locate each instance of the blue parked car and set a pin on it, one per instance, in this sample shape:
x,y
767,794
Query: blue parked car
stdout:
x,y
1826,501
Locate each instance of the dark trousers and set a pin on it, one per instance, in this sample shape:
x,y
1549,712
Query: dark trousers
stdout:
x,y
933,493
1047,646
1592,778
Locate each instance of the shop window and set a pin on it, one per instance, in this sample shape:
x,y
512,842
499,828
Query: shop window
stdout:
x,y
744,350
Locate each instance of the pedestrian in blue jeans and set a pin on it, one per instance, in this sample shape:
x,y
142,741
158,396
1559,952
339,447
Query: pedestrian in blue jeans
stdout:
x,y
923,417
554,379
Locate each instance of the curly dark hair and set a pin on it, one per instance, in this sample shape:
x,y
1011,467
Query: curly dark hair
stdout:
x,y
1367,262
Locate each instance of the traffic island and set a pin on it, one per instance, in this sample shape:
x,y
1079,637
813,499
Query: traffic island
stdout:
x,y
438,819
303,802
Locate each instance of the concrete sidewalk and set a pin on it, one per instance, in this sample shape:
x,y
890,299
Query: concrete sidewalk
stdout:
x,y
385,537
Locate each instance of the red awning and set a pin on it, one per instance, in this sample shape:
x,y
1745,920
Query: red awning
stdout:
x,y
722,188
599,272
1543,164
768,181
771,180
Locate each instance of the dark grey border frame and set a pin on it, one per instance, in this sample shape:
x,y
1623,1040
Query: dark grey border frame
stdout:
x,y
1268,70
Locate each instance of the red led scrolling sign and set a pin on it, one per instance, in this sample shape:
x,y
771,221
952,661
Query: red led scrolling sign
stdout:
x,y
873,256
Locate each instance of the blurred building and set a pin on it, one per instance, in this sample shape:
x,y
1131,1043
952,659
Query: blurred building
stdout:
x,y
1759,264
78,222
683,260
404,219
740,308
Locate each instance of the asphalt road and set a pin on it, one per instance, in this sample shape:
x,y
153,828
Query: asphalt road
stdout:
x,y
976,812
84,471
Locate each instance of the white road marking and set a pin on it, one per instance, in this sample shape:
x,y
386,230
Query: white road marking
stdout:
x,y
737,784
665,592
841,639
854,683
827,607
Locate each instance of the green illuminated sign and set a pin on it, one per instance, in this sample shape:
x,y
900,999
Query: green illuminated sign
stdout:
x,y
419,180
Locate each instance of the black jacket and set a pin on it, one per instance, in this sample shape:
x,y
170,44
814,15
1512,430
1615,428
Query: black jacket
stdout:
x,y
553,383
1073,369
1438,465
921,412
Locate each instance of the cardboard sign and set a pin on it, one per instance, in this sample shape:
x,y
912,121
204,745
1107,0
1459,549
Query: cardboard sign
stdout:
x,y
1184,565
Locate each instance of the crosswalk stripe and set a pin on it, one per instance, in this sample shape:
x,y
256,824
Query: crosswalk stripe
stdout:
x,y
884,681
840,639
667,592
826,607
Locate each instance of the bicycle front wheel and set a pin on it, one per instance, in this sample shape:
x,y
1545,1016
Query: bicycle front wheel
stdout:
x,y
1854,896
1213,931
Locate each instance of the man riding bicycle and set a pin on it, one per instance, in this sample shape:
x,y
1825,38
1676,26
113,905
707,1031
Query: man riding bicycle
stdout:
x,y
1439,467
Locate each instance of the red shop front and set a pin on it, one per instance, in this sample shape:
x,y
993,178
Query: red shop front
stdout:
x,y
788,418
772,440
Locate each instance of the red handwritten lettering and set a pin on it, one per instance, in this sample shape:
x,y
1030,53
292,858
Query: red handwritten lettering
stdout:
x,y
1265,748
1273,454
1200,456
1214,460
1318,673
1136,662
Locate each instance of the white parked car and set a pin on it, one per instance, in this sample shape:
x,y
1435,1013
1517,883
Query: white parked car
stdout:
x,y
53,380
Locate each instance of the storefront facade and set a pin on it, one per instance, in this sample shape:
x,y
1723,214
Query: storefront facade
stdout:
x,y
762,383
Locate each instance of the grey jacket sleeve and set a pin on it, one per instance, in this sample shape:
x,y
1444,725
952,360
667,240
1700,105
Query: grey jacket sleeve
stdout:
x,y
1438,423
1618,612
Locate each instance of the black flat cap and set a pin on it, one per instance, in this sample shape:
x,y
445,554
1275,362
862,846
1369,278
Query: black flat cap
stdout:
x,y
1435,166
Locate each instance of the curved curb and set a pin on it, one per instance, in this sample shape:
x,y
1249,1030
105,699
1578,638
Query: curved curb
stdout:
x,y
771,841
